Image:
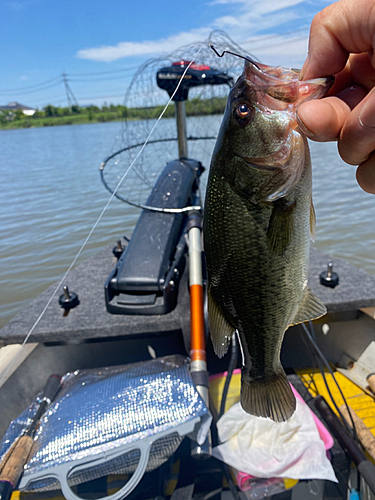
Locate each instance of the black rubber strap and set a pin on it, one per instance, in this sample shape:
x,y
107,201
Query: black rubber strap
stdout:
x,y
194,220
200,378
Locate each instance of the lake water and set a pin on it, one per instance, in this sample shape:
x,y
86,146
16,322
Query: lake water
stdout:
x,y
51,195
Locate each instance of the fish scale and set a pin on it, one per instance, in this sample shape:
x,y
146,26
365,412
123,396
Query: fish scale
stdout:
x,y
258,214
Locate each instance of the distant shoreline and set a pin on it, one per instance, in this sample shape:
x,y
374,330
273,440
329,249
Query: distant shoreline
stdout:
x,y
28,122
57,123
52,116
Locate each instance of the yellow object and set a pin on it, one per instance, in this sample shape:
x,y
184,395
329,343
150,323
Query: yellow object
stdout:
x,y
362,403
45,495
289,483
217,386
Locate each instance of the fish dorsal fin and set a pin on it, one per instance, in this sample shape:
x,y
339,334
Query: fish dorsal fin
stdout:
x,y
280,226
310,308
221,331
312,221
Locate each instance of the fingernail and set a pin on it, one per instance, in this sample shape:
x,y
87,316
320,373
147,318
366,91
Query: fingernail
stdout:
x,y
304,68
303,127
367,115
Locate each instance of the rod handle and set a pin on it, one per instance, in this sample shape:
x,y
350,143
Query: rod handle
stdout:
x,y
6,490
364,466
13,469
371,381
52,386
50,390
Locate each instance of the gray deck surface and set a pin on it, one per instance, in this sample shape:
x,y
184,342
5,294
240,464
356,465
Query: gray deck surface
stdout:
x,y
90,320
356,288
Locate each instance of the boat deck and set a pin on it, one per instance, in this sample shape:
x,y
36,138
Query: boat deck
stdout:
x,y
91,321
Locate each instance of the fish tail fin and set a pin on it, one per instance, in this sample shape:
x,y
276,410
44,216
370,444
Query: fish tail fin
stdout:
x,y
270,397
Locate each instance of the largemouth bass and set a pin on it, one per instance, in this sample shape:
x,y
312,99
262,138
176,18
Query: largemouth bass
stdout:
x,y
257,224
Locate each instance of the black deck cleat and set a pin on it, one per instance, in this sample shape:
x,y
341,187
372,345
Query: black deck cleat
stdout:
x,y
329,278
68,300
118,250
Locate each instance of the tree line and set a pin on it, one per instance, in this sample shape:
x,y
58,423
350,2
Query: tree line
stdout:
x,y
53,115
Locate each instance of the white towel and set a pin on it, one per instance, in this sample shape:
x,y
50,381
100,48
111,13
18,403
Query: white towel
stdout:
x,y
264,448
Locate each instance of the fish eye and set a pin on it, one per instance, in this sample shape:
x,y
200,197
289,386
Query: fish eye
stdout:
x,y
243,112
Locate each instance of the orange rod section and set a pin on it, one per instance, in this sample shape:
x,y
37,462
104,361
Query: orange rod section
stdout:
x,y
198,347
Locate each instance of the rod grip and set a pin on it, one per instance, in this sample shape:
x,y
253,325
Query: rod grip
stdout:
x,y
52,386
365,467
13,468
6,490
371,381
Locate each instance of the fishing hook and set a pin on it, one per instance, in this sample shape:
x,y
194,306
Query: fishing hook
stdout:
x,y
234,54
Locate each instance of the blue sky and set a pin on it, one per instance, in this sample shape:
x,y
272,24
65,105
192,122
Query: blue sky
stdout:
x,y
41,39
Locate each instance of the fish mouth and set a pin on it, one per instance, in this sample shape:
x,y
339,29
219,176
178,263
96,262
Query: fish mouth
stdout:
x,y
284,84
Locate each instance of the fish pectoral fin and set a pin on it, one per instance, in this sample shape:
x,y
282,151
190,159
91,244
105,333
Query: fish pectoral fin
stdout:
x,y
312,221
280,226
311,308
221,331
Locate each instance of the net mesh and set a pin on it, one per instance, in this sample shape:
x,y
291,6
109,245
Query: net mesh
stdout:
x,y
144,100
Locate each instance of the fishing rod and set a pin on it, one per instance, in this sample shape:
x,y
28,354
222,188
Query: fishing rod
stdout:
x,y
364,466
11,468
198,365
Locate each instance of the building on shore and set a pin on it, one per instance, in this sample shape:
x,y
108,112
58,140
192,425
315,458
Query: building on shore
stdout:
x,y
14,106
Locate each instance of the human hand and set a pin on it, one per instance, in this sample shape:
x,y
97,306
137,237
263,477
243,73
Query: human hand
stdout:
x,y
342,42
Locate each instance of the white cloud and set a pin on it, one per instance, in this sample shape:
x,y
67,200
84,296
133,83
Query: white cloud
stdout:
x,y
251,16
275,50
250,23
148,47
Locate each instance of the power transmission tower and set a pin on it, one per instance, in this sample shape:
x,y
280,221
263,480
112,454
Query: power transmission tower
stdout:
x,y
70,97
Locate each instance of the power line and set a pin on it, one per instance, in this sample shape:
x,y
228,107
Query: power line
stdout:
x,y
61,78
130,68
22,89
99,79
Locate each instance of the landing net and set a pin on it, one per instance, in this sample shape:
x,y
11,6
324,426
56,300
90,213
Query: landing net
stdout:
x,y
144,101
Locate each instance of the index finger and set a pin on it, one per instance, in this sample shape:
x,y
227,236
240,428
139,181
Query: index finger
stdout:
x,y
345,27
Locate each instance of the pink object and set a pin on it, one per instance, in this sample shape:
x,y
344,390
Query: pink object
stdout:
x,y
325,436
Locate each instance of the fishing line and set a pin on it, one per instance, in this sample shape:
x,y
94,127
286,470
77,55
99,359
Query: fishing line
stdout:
x,y
230,370
13,361
141,205
241,348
